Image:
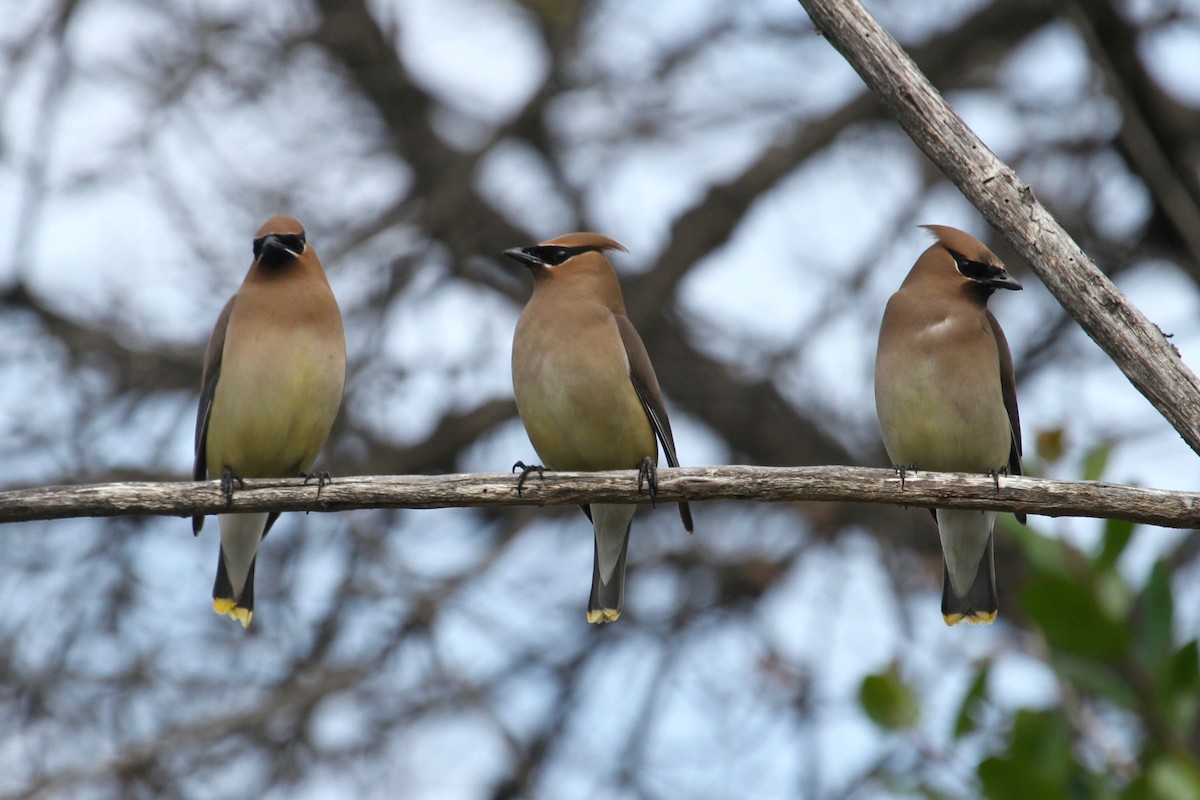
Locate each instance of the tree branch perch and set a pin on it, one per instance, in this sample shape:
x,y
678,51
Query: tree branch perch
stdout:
x,y
760,484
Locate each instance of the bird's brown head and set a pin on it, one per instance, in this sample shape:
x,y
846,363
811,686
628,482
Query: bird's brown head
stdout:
x,y
958,256
278,241
561,251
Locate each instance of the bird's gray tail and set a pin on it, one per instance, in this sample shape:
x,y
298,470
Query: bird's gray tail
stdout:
x,y
226,601
979,604
233,589
608,564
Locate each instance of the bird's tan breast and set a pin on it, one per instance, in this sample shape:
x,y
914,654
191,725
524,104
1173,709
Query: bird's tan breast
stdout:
x,y
573,389
282,375
938,394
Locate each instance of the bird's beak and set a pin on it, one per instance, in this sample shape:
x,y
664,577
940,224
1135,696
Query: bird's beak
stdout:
x,y
519,255
1004,281
273,244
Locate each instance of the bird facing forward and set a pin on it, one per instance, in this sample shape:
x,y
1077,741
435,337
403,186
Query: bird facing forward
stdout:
x,y
272,384
586,391
946,399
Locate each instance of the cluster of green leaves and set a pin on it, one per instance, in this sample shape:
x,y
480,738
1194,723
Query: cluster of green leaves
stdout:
x,y
1126,722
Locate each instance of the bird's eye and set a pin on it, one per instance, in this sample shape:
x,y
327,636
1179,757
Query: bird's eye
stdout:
x,y
293,242
550,256
258,247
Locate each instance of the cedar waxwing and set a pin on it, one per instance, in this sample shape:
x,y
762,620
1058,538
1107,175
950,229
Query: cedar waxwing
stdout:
x,y
586,391
947,401
273,377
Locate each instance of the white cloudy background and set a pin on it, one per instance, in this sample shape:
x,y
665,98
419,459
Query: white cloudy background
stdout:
x,y
769,207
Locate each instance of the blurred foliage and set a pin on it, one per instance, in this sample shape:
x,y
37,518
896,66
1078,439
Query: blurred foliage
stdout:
x,y
1125,722
888,701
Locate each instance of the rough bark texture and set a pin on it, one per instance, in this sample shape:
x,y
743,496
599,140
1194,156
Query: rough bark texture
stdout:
x,y
758,484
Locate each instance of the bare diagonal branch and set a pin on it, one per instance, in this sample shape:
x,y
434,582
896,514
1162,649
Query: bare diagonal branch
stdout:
x,y
1134,343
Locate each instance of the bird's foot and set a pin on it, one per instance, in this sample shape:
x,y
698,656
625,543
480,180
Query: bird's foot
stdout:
x,y
228,479
995,475
525,470
648,475
323,479
902,470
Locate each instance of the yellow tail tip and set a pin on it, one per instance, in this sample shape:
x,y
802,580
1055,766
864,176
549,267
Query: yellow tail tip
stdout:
x,y
974,618
224,605
228,607
603,615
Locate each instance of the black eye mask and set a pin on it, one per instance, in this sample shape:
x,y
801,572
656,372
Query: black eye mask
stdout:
x,y
553,255
288,241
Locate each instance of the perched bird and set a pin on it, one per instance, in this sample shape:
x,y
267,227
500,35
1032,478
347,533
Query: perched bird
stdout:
x,y
947,401
272,385
586,391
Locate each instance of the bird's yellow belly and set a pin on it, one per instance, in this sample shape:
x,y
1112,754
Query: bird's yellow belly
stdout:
x,y
575,426
962,429
271,420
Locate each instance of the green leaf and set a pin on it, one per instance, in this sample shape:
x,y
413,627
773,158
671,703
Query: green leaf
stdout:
x,y
1096,679
965,722
1155,631
1117,533
1180,713
888,701
1004,779
1072,620
1038,763
1185,669
1173,778
1043,553
1138,789
1113,593
1179,688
